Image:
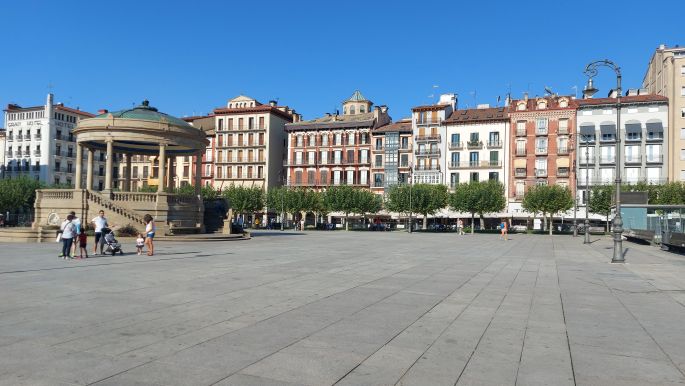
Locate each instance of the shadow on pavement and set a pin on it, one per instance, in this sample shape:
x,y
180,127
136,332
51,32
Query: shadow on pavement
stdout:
x,y
275,233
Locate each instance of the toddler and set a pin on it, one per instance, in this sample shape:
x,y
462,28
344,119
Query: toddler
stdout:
x,y
82,241
140,242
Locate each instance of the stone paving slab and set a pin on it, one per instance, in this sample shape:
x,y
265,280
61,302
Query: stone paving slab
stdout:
x,y
345,308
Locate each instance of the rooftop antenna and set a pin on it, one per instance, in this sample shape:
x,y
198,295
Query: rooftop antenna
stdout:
x,y
575,88
473,93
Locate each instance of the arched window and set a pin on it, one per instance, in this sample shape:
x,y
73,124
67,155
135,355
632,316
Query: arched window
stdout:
x,y
521,106
352,109
361,109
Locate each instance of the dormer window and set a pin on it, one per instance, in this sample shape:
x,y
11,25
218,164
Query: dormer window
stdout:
x,y
521,106
563,102
542,104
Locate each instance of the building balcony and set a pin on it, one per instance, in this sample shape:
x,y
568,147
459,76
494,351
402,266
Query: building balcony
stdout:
x,y
10,138
589,161
540,172
520,133
563,130
495,144
520,152
456,145
36,153
607,160
17,154
474,145
540,150
475,164
541,131
427,152
427,167
563,150
633,139
634,159
20,137
563,172
8,153
378,184
428,138
520,172
655,138
654,159
37,137
518,196
428,121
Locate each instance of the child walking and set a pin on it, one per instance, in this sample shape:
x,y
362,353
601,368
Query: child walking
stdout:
x,y
140,243
149,234
83,242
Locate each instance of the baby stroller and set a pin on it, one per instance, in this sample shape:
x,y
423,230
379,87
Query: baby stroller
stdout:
x,y
112,245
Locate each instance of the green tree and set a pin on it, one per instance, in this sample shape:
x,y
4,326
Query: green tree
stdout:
x,y
17,194
397,199
465,200
428,199
547,199
367,202
532,200
601,197
244,200
341,199
478,198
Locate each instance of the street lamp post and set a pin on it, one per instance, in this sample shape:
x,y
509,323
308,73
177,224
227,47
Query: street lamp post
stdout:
x,y
586,239
617,229
410,194
575,200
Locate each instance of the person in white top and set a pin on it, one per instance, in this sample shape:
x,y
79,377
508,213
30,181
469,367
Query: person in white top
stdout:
x,y
149,234
77,223
99,222
68,229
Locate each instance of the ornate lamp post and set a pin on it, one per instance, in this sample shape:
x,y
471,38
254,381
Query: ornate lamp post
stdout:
x,y
411,167
590,71
586,239
575,202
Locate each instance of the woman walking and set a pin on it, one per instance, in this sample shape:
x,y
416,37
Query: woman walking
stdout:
x,y
149,234
68,229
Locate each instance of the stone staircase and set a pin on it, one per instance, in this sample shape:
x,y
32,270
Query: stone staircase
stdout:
x,y
115,212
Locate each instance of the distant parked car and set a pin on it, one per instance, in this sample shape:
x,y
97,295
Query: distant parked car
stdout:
x,y
519,228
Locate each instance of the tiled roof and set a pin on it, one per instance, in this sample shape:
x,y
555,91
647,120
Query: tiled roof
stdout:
x,y
649,98
552,104
356,97
255,109
403,126
334,121
75,111
144,112
478,115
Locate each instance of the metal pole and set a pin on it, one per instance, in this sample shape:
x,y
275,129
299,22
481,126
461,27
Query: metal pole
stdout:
x,y
587,192
575,201
411,180
618,220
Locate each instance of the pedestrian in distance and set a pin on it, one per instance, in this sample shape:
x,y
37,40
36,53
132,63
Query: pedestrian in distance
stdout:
x,y
68,230
99,222
149,234
460,227
140,243
77,223
504,229
83,244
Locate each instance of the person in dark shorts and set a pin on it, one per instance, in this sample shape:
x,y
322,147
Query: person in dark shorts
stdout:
x,y
99,222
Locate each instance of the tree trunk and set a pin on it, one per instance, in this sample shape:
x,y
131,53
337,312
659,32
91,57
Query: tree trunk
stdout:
x,y
425,221
550,224
473,222
608,224
482,221
347,223
544,222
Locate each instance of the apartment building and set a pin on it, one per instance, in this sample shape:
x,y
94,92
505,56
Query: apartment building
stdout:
x,y
334,149
250,142
39,143
540,145
643,140
3,138
477,145
665,76
430,161
207,124
391,155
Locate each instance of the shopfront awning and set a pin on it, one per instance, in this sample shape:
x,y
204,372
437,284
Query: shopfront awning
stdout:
x,y
607,128
655,126
587,130
633,127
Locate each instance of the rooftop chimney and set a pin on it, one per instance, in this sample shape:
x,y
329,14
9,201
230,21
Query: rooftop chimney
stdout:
x,y
272,103
102,111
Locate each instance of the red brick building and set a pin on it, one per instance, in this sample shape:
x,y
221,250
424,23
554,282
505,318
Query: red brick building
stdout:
x,y
334,149
541,145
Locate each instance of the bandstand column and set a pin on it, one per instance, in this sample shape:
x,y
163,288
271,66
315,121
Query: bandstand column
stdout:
x,y
198,174
127,176
79,166
162,168
108,165
89,169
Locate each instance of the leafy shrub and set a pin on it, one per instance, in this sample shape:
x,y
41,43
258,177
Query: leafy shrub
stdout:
x,y
127,231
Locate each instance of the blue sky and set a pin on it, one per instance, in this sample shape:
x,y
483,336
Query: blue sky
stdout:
x,y
190,57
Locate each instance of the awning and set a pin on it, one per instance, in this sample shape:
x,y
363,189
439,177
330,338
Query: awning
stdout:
x,y
633,128
655,126
607,129
520,163
587,130
563,162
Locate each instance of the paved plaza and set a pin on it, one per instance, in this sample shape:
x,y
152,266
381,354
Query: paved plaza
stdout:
x,y
345,308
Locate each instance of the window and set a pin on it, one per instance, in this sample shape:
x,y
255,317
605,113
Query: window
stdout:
x,y
230,123
682,133
454,179
493,176
240,123
404,160
563,126
404,143
379,161
338,139
379,143
299,141
541,126
682,91
378,180
350,156
324,139
350,177
350,139
221,124
352,109
541,146
473,158
473,177
323,177
682,154
541,167
310,177
261,123
298,178
682,70
521,128
145,171
250,123
323,157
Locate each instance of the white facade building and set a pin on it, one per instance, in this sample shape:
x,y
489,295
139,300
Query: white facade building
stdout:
x,y
477,145
643,140
430,142
39,143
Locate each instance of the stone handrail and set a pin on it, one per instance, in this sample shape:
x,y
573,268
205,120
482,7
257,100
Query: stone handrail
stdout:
x,y
134,196
57,194
114,207
176,199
